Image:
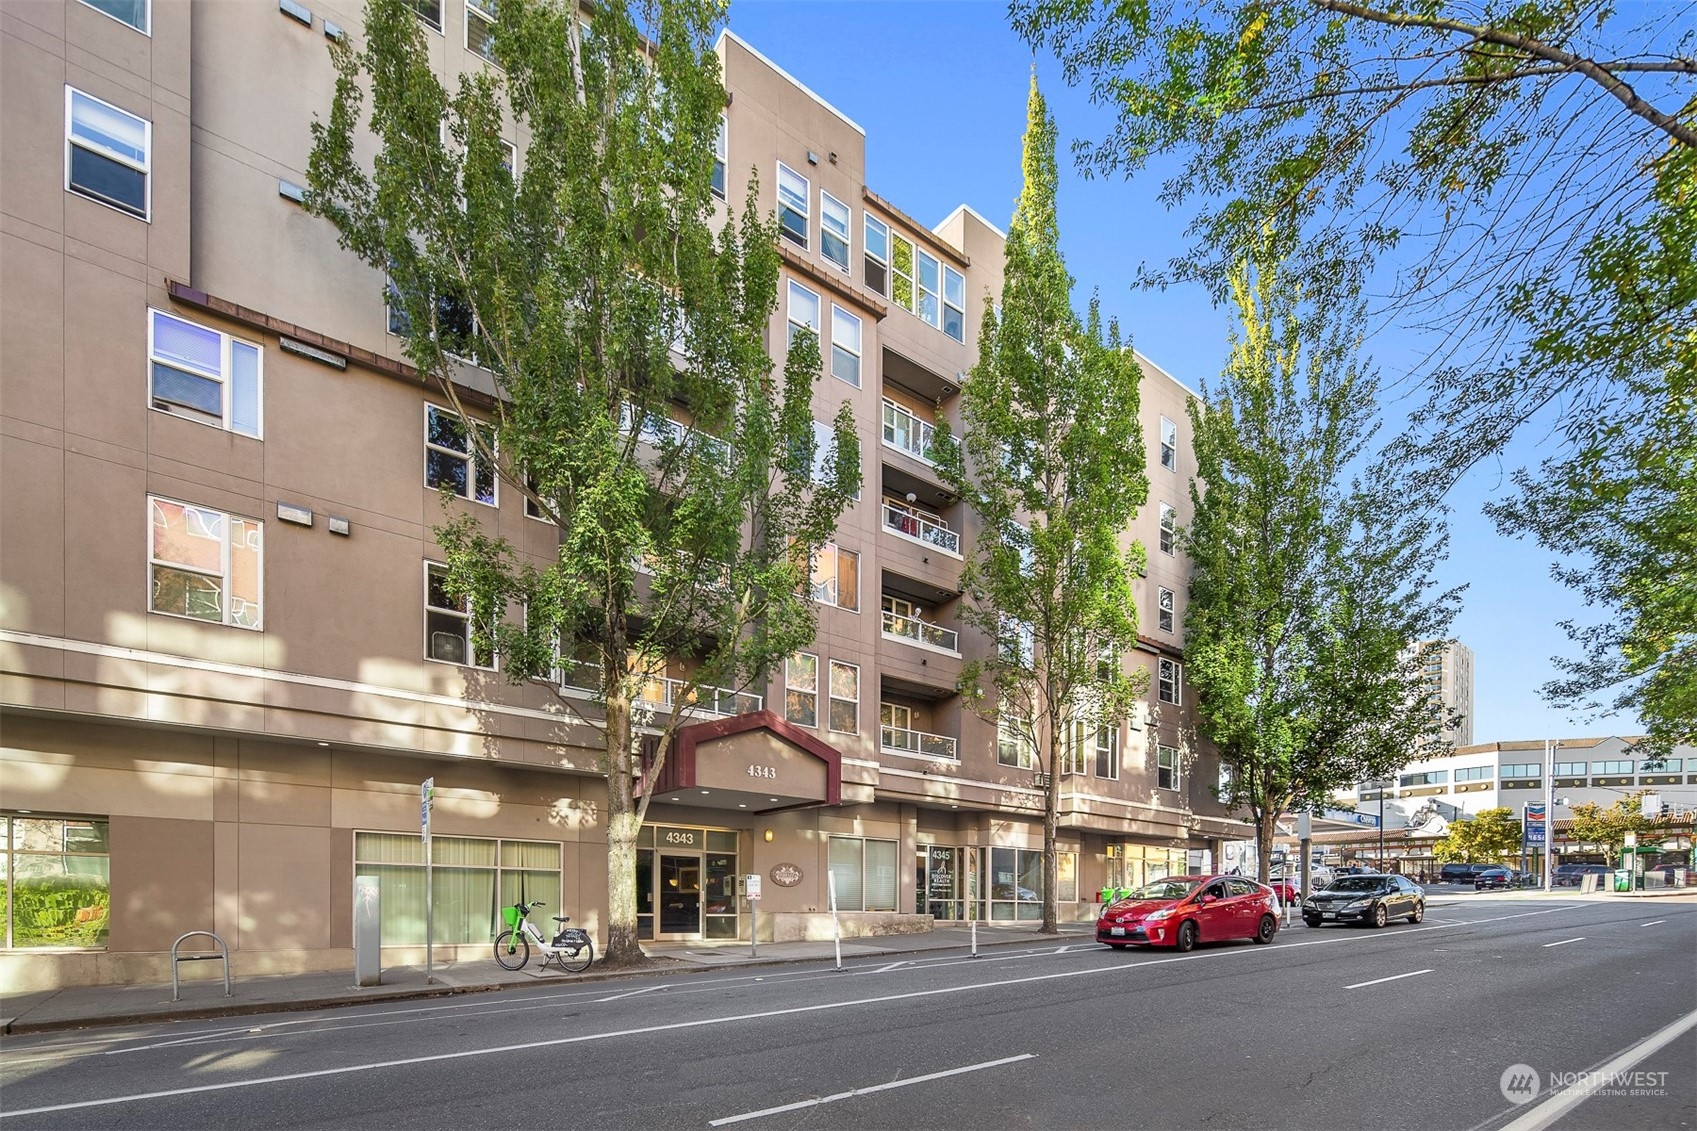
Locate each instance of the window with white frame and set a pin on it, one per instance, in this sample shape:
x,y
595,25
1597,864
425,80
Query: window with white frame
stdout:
x,y
835,577
1570,769
1615,766
453,461
430,11
480,27
108,153
845,697
132,12
1167,767
834,218
845,346
803,311
1164,608
447,624
203,564
56,873
1075,740
1019,643
1224,781
473,877
901,271
801,689
1474,773
877,241
1108,751
1014,745
954,303
793,191
1525,770
930,307
1169,444
203,374
863,873
1169,529
1169,680
721,156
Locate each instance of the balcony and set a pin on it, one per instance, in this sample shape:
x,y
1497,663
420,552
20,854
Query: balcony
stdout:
x,y
919,743
912,630
661,431
921,526
662,693
907,433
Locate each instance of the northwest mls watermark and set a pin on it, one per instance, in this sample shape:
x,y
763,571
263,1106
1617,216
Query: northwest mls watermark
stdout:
x,y
1521,1083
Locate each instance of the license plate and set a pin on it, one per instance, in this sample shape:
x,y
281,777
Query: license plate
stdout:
x,y
1328,914
1116,930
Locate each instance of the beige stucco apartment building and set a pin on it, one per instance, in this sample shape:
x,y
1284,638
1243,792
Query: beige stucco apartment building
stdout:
x,y
224,672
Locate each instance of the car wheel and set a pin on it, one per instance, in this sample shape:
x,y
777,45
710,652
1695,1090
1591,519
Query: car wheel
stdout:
x,y
1379,916
1419,911
1267,928
1311,922
1186,939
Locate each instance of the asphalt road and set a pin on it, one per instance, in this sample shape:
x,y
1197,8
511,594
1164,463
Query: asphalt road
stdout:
x,y
1326,1028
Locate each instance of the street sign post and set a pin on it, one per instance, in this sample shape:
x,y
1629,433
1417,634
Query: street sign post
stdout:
x,y
427,798
751,891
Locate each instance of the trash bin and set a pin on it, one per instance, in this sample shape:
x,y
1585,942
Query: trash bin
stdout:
x,y
1623,881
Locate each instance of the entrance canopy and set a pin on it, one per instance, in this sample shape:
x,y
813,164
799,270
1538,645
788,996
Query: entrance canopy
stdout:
x,y
754,763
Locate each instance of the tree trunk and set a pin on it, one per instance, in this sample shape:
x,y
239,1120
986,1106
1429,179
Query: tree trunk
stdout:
x,y
623,947
1266,826
1051,853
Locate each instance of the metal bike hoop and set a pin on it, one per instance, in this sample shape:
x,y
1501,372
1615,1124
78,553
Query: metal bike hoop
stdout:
x,y
223,953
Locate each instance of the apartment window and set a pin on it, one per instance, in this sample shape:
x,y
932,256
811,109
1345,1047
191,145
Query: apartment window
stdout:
x,y
863,873
1164,608
721,156
954,304
801,689
1108,752
1523,770
58,880
833,229
930,307
1570,769
1169,444
1601,768
836,577
203,564
1014,746
447,624
793,191
845,698
1473,773
803,311
430,11
1169,528
203,374
901,271
132,12
877,240
845,346
1169,680
1073,752
107,153
456,325
452,461
472,877
1167,767
480,27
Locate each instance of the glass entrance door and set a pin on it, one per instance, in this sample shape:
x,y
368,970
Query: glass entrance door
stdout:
x,y
680,896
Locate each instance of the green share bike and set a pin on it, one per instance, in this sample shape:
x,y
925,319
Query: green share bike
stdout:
x,y
571,947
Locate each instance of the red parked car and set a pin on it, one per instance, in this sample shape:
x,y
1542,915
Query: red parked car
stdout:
x,y
1181,911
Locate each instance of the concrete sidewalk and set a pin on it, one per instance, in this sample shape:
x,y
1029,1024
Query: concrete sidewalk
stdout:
x,y
79,1007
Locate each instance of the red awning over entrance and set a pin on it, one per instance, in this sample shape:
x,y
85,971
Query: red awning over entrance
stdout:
x,y
756,763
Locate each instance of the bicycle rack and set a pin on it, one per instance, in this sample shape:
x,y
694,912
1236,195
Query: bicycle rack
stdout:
x,y
223,953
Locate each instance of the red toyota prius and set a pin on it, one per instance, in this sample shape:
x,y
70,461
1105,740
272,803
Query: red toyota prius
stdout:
x,y
1181,911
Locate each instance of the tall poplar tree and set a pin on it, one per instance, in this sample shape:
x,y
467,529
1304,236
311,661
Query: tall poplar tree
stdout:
x,y
1051,460
598,287
1309,583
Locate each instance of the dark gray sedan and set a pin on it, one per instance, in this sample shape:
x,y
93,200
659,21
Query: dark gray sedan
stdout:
x,y
1370,899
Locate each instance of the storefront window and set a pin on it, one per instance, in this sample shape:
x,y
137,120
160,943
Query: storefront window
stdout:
x,y
58,881
471,880
865,873
939,883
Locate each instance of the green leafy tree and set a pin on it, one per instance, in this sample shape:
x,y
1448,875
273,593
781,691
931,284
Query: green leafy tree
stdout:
x,y
1533,167
593,290
1308,587
1608,826
1049,413
1490,837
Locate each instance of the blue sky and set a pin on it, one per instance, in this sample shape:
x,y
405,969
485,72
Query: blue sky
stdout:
x,y
940,89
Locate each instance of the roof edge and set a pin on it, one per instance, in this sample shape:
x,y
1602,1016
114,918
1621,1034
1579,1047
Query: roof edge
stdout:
x,y
727,33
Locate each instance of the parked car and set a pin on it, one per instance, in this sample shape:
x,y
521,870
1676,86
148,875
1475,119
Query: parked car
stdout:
x,y
1461,873
1572,875
1373,899
1502,878
1181,911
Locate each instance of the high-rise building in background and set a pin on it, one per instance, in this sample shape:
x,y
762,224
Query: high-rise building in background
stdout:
x,y
227,663
1447,677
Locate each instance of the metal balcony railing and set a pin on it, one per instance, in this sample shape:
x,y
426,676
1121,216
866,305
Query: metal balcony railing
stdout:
x,y
906,741
918,631
908,432
663,692
926,528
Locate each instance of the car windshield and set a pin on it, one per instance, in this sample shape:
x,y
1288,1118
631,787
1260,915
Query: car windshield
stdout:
x,y
1358,883
1165,889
